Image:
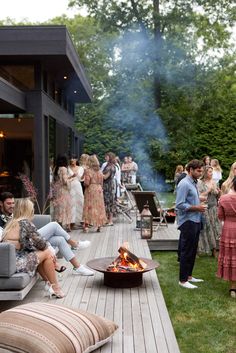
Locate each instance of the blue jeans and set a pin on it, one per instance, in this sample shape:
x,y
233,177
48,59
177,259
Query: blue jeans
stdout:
x,y
188,243
57,237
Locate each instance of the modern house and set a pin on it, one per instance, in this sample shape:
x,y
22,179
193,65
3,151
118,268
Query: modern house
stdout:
x,y
41,80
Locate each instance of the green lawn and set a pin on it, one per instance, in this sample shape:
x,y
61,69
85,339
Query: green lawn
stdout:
x,y
167,199
204,319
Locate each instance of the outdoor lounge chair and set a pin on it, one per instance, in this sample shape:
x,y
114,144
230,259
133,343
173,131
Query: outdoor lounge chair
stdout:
x,y
143,197
124,209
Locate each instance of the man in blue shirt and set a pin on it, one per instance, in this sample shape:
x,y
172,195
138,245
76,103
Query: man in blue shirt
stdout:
x,y
189,218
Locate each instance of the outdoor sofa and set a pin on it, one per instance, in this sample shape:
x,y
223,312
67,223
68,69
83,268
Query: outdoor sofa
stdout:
x,y
15,286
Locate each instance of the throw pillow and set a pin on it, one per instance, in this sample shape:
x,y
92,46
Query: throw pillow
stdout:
x,y
51,328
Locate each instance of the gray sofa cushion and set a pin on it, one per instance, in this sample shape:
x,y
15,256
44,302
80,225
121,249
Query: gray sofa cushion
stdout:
x,y
7,259
41,220
17,281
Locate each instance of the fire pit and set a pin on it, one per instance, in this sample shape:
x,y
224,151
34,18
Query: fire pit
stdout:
x,y
126,271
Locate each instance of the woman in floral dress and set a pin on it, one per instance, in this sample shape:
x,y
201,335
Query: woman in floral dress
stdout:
x,y
61,193
211,227
94,208
32,252
109,187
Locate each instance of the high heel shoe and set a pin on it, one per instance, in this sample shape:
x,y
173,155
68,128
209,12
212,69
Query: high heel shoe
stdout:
x,y
61,269
47,285
58,294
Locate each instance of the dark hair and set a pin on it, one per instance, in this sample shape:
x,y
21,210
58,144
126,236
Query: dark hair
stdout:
x,y
73,156
6,195
234,183
61,161
112,157
205,158
194,164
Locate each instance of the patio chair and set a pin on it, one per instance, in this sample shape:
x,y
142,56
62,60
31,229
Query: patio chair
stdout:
x,y
128,191
124,209
143,197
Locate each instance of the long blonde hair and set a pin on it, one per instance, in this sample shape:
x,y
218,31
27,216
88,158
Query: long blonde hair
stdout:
x,y
83,161
24,209
216,165
226,186
93,163
205,171
179,169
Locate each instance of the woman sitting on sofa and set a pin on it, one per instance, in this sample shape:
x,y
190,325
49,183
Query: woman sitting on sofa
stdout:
x,y
32,253
54,234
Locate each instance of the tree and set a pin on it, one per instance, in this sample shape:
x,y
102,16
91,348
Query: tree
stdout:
x,y
158,60
167,24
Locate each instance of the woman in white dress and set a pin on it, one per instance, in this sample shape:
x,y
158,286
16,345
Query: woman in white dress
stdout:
x,y
217,171
77,196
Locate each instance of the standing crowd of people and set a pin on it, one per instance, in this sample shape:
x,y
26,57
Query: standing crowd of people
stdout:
x,y
206,214
82,194
85,194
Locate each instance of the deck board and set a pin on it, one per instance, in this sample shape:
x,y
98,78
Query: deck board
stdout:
x,y
165,238
141,313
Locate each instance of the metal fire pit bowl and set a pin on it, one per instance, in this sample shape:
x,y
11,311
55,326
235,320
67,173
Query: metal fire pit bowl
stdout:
x,y
120,279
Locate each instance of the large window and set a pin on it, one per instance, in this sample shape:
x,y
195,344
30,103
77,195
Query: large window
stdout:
x,y
21,76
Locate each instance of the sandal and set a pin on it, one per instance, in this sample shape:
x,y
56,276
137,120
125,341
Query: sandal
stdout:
x,y
56,293
61,269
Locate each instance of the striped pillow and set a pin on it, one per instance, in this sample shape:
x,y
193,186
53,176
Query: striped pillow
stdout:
x,y
51,328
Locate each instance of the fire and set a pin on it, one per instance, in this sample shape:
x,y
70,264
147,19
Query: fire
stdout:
x,y
126,262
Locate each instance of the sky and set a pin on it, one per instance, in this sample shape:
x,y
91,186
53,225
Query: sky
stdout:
x,y
34,10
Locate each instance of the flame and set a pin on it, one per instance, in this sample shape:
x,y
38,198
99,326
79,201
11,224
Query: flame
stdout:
x,y
123,264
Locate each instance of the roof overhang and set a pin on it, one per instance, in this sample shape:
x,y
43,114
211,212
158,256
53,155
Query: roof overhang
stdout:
x,y
11,98
53,47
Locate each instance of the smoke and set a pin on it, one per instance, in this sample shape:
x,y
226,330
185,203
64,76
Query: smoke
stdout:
x,y
132,109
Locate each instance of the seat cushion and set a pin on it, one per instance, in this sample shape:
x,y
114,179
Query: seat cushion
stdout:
x,y
51,328
41,220
7,259
17,281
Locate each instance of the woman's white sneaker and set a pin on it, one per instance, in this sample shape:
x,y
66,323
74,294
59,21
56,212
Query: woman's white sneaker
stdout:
x,y
83,244
187,285
83,271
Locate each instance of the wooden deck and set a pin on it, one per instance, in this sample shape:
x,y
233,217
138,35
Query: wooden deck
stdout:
x,y
141,313
165,238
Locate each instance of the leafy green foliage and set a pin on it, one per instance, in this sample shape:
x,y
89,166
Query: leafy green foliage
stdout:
x,y
160,90
158,46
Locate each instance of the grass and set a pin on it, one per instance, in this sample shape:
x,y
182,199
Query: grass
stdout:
x,y
204,318
167,199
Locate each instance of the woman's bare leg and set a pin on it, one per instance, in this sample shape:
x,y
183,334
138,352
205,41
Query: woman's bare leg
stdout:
x,y
42,273
46,266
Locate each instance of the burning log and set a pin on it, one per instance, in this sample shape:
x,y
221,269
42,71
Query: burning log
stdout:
x,y
126,262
